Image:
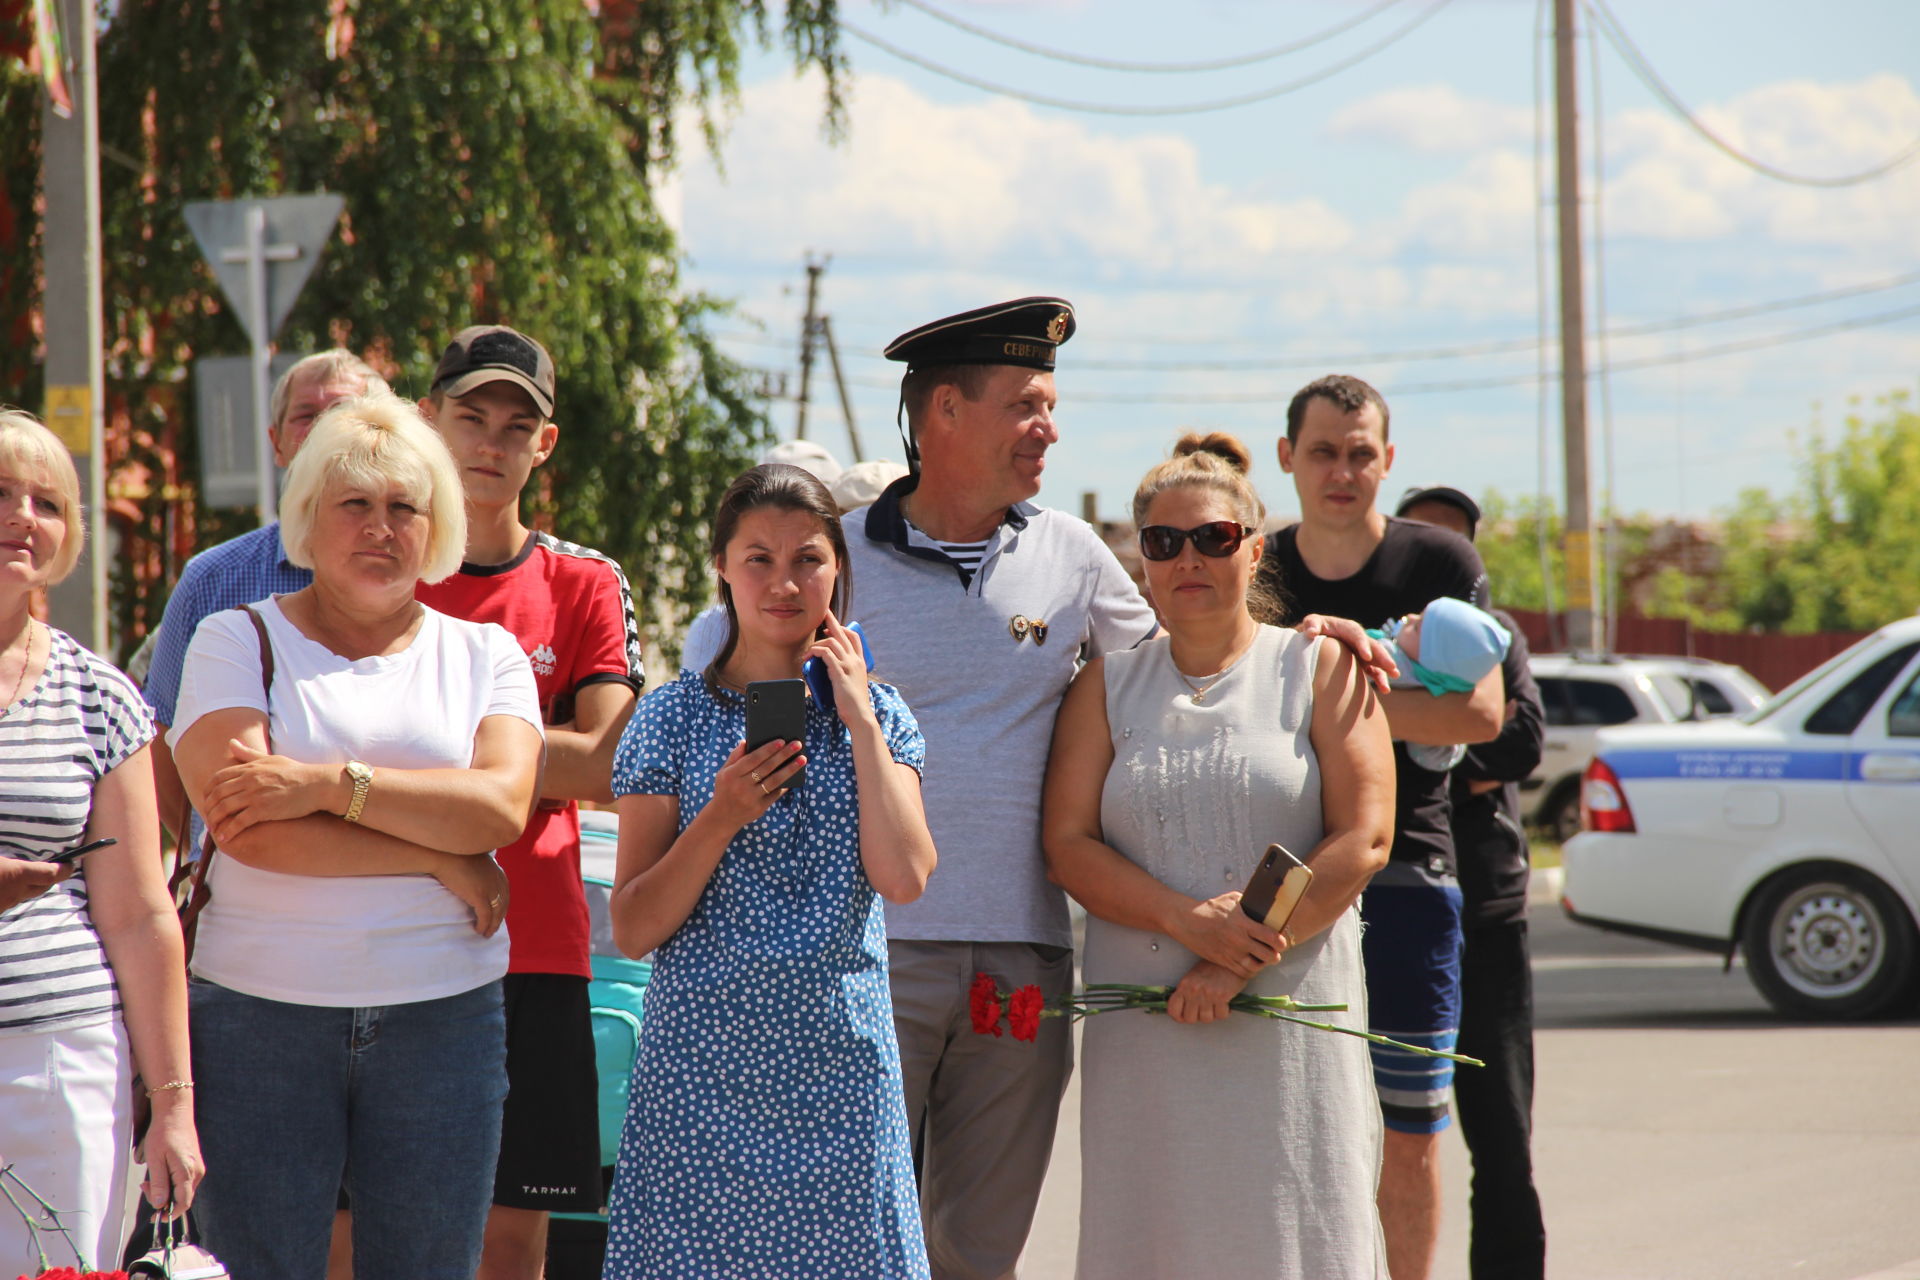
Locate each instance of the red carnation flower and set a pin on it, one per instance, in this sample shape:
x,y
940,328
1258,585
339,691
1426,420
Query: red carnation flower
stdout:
x,y
983,1002
1023,1012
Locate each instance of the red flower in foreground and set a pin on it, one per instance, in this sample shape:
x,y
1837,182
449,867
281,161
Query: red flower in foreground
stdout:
x,y
983,1002
68,1273
1023,1012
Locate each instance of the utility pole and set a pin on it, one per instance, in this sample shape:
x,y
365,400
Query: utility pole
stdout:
x,y
74,314
1582,634
840,381
809,327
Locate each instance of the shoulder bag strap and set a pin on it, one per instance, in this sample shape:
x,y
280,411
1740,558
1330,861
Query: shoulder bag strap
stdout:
x,y
198,890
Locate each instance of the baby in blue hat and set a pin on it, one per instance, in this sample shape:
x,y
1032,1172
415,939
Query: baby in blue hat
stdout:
x,y
1449,648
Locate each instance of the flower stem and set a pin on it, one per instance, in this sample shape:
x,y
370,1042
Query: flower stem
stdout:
x,y
1376,1038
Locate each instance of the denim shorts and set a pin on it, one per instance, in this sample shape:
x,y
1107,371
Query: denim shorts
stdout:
x,y
400,1104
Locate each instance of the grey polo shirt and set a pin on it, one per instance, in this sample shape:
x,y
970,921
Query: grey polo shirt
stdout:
x,y
986,698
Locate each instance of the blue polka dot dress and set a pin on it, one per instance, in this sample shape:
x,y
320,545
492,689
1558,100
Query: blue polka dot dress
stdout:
x,y
766,1135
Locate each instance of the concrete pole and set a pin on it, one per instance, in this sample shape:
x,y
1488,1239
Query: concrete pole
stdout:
x,y
840,381
74,310
1582,635
809,329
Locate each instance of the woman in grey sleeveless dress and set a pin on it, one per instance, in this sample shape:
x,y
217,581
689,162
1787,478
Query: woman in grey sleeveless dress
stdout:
x,y
1216,1144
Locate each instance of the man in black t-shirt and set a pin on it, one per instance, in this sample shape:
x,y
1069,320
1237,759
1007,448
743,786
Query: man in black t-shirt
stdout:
x,y
1347,559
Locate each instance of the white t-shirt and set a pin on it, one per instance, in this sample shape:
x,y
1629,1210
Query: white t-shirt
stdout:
x,y
351,941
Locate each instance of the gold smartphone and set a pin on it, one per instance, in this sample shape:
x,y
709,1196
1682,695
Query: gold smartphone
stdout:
x,y
1277,886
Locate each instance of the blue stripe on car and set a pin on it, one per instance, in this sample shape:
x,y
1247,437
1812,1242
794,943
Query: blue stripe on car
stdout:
x,y
1759,766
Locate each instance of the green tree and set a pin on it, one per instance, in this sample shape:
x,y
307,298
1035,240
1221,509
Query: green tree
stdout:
x,y
1762,557
1843,552
1509,545
494,156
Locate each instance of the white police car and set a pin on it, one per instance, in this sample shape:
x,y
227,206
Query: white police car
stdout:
x,y
1792,833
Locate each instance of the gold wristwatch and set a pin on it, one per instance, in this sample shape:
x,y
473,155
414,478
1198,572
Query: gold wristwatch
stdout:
x,y
362,777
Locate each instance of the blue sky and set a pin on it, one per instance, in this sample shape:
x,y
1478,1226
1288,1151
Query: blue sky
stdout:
x,y
1387,209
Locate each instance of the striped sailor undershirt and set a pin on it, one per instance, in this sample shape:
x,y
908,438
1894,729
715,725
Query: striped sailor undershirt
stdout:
x,y
80,721
967,555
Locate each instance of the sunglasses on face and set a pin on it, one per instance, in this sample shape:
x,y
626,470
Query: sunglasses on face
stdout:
x,y
1216,538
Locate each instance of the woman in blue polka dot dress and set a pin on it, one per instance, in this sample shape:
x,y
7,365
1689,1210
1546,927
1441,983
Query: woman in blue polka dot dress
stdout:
x,y
767,1136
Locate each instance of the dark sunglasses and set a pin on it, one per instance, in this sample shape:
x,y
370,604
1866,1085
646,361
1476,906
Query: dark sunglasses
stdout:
x,y
1216,538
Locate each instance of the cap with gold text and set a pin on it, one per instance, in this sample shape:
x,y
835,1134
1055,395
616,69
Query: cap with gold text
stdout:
x,y
1026,331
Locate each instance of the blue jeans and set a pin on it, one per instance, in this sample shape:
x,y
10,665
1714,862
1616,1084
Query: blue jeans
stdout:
x,y
400,1104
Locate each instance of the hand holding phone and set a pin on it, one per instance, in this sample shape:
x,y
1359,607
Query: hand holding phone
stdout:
x,y
820,680
777,710
66,857
1277,886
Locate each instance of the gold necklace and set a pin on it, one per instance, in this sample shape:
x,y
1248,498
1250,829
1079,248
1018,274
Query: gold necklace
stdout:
x,y
1200,690
26,660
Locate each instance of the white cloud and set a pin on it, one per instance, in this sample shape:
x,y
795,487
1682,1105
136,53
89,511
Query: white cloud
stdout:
x,y
1164,237
1666,182
1485,208
1432,118
991,180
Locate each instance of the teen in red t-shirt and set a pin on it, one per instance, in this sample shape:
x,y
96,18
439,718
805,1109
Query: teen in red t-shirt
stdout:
x,y
569,606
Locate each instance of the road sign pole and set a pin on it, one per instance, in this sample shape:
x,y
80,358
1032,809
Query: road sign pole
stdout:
x,y
256,252
255,255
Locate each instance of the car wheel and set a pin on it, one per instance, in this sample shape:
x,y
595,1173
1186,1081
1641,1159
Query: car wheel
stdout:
x,y
1829,942
1563,812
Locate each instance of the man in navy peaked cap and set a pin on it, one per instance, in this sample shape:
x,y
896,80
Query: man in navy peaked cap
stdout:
x,y
980,606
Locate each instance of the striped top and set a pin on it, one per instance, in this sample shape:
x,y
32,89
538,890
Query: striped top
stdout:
x,y
966,557
79,722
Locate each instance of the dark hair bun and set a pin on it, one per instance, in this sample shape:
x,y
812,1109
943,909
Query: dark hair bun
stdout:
x,y
1218,443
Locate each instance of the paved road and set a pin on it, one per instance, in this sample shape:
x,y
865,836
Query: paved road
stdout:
x,y
1683,1131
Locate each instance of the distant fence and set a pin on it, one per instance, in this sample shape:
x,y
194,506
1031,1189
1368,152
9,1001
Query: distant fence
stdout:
x,y
1774,660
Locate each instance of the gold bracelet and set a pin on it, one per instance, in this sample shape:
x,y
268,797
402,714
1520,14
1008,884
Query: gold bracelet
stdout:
x,y
170,1085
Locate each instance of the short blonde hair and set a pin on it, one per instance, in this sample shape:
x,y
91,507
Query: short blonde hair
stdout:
x,y
374,441
324,366
29,451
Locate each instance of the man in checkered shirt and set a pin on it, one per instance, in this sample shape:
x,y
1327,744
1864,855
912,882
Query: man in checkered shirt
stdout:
x,y
251,567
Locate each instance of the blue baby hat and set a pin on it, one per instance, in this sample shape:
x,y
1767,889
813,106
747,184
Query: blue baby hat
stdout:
x,y
1461,641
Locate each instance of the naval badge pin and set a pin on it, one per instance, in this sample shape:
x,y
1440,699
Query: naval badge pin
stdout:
x,y
1017,627
1039,629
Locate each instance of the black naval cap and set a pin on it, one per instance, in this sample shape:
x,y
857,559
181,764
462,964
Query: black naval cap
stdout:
x,y
1442,493
1026,331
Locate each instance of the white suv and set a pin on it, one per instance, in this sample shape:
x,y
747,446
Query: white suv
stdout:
x,y
1583,694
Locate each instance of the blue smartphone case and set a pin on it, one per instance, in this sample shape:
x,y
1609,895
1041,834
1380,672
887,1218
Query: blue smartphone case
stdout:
x,y
814,671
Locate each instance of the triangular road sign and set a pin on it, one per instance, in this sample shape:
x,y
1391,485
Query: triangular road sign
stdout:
x,y
286,234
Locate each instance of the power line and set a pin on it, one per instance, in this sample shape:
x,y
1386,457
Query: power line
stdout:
x,y
1493,347
1492,382
1506,346
1644,72
1117,64
1124,109
1497,346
